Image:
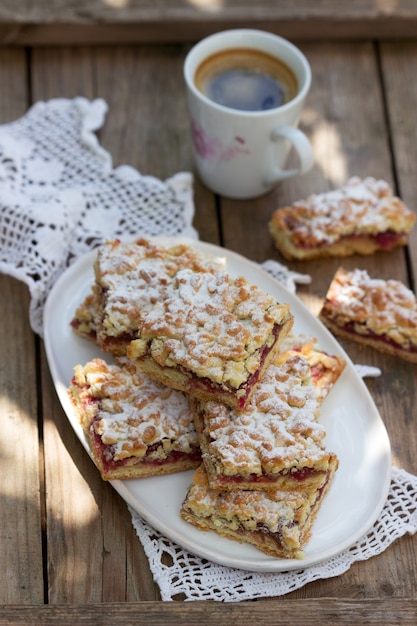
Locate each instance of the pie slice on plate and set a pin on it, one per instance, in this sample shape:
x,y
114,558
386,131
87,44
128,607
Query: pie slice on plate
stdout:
x,y
182,319
275,442
359,218
276,522
135,426
211,336
131,277
373,312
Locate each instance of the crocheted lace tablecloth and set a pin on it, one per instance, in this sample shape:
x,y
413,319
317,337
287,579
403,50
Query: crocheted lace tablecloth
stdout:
x,y
60,197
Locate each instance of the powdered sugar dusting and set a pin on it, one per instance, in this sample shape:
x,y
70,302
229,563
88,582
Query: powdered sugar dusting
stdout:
x,y
135,412
277,430
382,306
134,276
365,207
213,325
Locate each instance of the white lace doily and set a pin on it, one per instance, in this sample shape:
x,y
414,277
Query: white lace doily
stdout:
x,y
185,576
59,197
285,276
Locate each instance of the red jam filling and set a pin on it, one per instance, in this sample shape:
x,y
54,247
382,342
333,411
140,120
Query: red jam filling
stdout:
x,y
106,454
92,335
205,384
386,240
317,372
277,536
350,328
299,475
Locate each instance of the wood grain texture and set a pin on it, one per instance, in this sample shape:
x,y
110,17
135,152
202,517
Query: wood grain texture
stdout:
x,y
316,612
398,62
21,572
359,116
137,21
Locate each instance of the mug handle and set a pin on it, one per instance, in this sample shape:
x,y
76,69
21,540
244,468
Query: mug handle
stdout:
x,y
302,147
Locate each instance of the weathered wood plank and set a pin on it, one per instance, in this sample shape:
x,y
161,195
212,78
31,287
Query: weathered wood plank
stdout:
x,y
60,22
315,612
398,66
21,575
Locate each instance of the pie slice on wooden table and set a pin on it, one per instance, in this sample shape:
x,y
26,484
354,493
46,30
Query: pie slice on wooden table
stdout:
x,y
360,218
373,312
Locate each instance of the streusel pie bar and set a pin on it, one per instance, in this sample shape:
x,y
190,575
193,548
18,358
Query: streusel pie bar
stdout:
x,y
359,218
276,522
275,442
374,312
135,426
211,336
131,277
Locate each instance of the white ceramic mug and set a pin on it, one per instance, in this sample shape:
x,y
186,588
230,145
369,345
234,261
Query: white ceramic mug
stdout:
x,y
238,153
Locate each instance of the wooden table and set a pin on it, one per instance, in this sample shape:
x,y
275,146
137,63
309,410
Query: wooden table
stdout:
x,y
68,550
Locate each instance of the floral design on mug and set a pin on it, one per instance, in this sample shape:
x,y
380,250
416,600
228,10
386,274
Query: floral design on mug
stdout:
x,y
212,148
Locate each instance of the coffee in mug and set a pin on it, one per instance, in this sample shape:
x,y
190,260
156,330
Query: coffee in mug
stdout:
x,y
246,79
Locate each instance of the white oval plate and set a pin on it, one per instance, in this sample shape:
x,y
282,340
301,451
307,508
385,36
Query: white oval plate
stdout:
x,y
355,432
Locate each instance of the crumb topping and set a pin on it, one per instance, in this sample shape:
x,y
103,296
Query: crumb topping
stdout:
x,y
212,325
383,307
133,276
277,510
325,368
130,412
361,207
276,431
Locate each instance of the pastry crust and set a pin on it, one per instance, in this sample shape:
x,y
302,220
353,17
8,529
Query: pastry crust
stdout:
x,y
278,523
135,427
276,441
373,312
360,218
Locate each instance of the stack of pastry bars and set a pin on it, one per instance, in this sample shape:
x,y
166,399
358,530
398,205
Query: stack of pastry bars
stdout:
x,y
207,376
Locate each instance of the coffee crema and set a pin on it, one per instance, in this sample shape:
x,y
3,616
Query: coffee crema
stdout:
x,y
246,79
